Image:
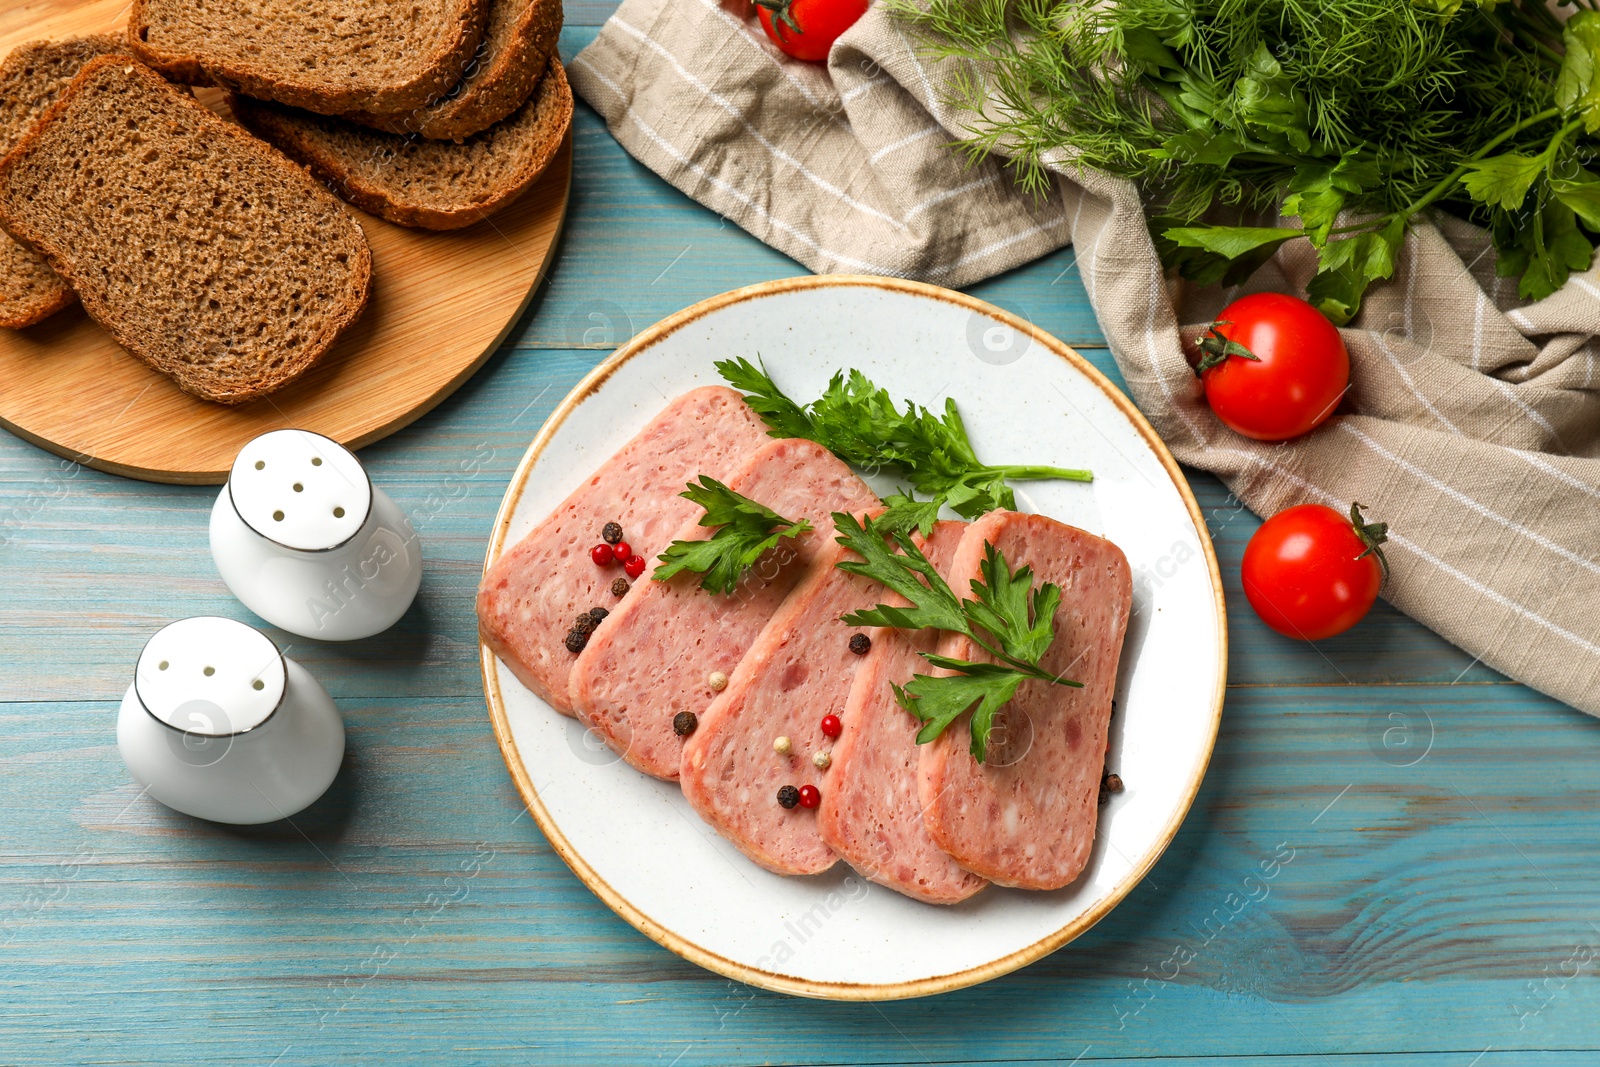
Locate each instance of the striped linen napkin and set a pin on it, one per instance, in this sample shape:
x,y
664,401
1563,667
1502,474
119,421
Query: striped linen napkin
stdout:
x,y
1474,421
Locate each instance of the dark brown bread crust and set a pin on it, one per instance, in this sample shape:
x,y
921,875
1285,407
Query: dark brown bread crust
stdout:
x,y
30,291
198,248
270,70
519,39
31,78
388,175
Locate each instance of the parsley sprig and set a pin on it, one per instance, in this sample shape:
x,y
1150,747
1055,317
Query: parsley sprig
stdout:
x,y
745,530
1008,618
859,423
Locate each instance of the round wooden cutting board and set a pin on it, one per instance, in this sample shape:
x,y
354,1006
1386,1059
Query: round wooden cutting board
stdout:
x,y
441,303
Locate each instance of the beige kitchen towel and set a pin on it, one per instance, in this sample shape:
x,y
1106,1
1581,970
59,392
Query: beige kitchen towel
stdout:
x,y
1473,426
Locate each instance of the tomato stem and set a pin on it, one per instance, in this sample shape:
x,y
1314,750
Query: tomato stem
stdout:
x,y
1373,535
781,13
1215,348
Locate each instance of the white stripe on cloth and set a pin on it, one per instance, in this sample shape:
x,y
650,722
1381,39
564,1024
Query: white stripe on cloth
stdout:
x,y
850,94
1401,541
684,161
948,194
997,246
1583,283
1411,285
1377,339
775,151
1533,416
1477,330
1466,501
1555,471
909,139
930,99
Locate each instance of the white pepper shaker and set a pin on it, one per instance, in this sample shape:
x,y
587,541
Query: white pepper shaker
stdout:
x,y
220,725
305,540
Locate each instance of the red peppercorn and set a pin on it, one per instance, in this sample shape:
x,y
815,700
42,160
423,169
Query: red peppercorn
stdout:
x,y
623,551
602,555
831,726
810,796
634,565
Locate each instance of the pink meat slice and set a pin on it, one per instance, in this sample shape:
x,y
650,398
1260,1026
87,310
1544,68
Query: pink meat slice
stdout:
x,y
652,657
1027,817
799,669
530,597
871,811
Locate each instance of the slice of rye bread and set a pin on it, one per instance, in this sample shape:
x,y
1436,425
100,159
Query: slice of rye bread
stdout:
x,y
31,78
198,248
432,185
518,41
353,55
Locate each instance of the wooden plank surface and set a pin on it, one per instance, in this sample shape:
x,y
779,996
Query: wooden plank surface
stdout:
x,y
1433,825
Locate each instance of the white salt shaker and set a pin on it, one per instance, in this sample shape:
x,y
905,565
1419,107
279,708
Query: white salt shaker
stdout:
x,y
305,540
221,725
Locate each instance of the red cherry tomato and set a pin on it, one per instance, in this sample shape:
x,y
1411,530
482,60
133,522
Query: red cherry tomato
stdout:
x,y
806,29
1299,372
1310,572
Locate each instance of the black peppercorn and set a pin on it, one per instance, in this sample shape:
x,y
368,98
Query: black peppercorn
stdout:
x,y
611,533
1111,783
860,644
788,796
684,723
619,587
583,624
577,641
598,614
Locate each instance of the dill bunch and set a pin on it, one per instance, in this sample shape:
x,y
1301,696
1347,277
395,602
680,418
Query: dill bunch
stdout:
x,y
1352,116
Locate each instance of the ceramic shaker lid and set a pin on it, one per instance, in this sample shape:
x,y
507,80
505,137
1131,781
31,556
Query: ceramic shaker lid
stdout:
x,y
210,676
300,489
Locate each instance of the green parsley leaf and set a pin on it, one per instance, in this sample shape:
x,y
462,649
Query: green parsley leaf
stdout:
x,y
1006,600
1577,89
1582,195
1009,619
938,702
1502,181
1265,100
1347,266
1545,252
783,415
862,425
907,513
1231,242
745,531
1216,255
1202,147
1317,193
933,602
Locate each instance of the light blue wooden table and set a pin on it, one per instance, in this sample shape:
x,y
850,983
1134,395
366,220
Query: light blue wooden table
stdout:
x,y
1439,905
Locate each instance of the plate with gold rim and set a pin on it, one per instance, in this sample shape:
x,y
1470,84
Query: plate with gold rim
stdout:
x,y
1025,397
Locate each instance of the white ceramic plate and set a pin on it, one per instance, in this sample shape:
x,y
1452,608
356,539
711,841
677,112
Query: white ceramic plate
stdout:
x,y
1025,397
